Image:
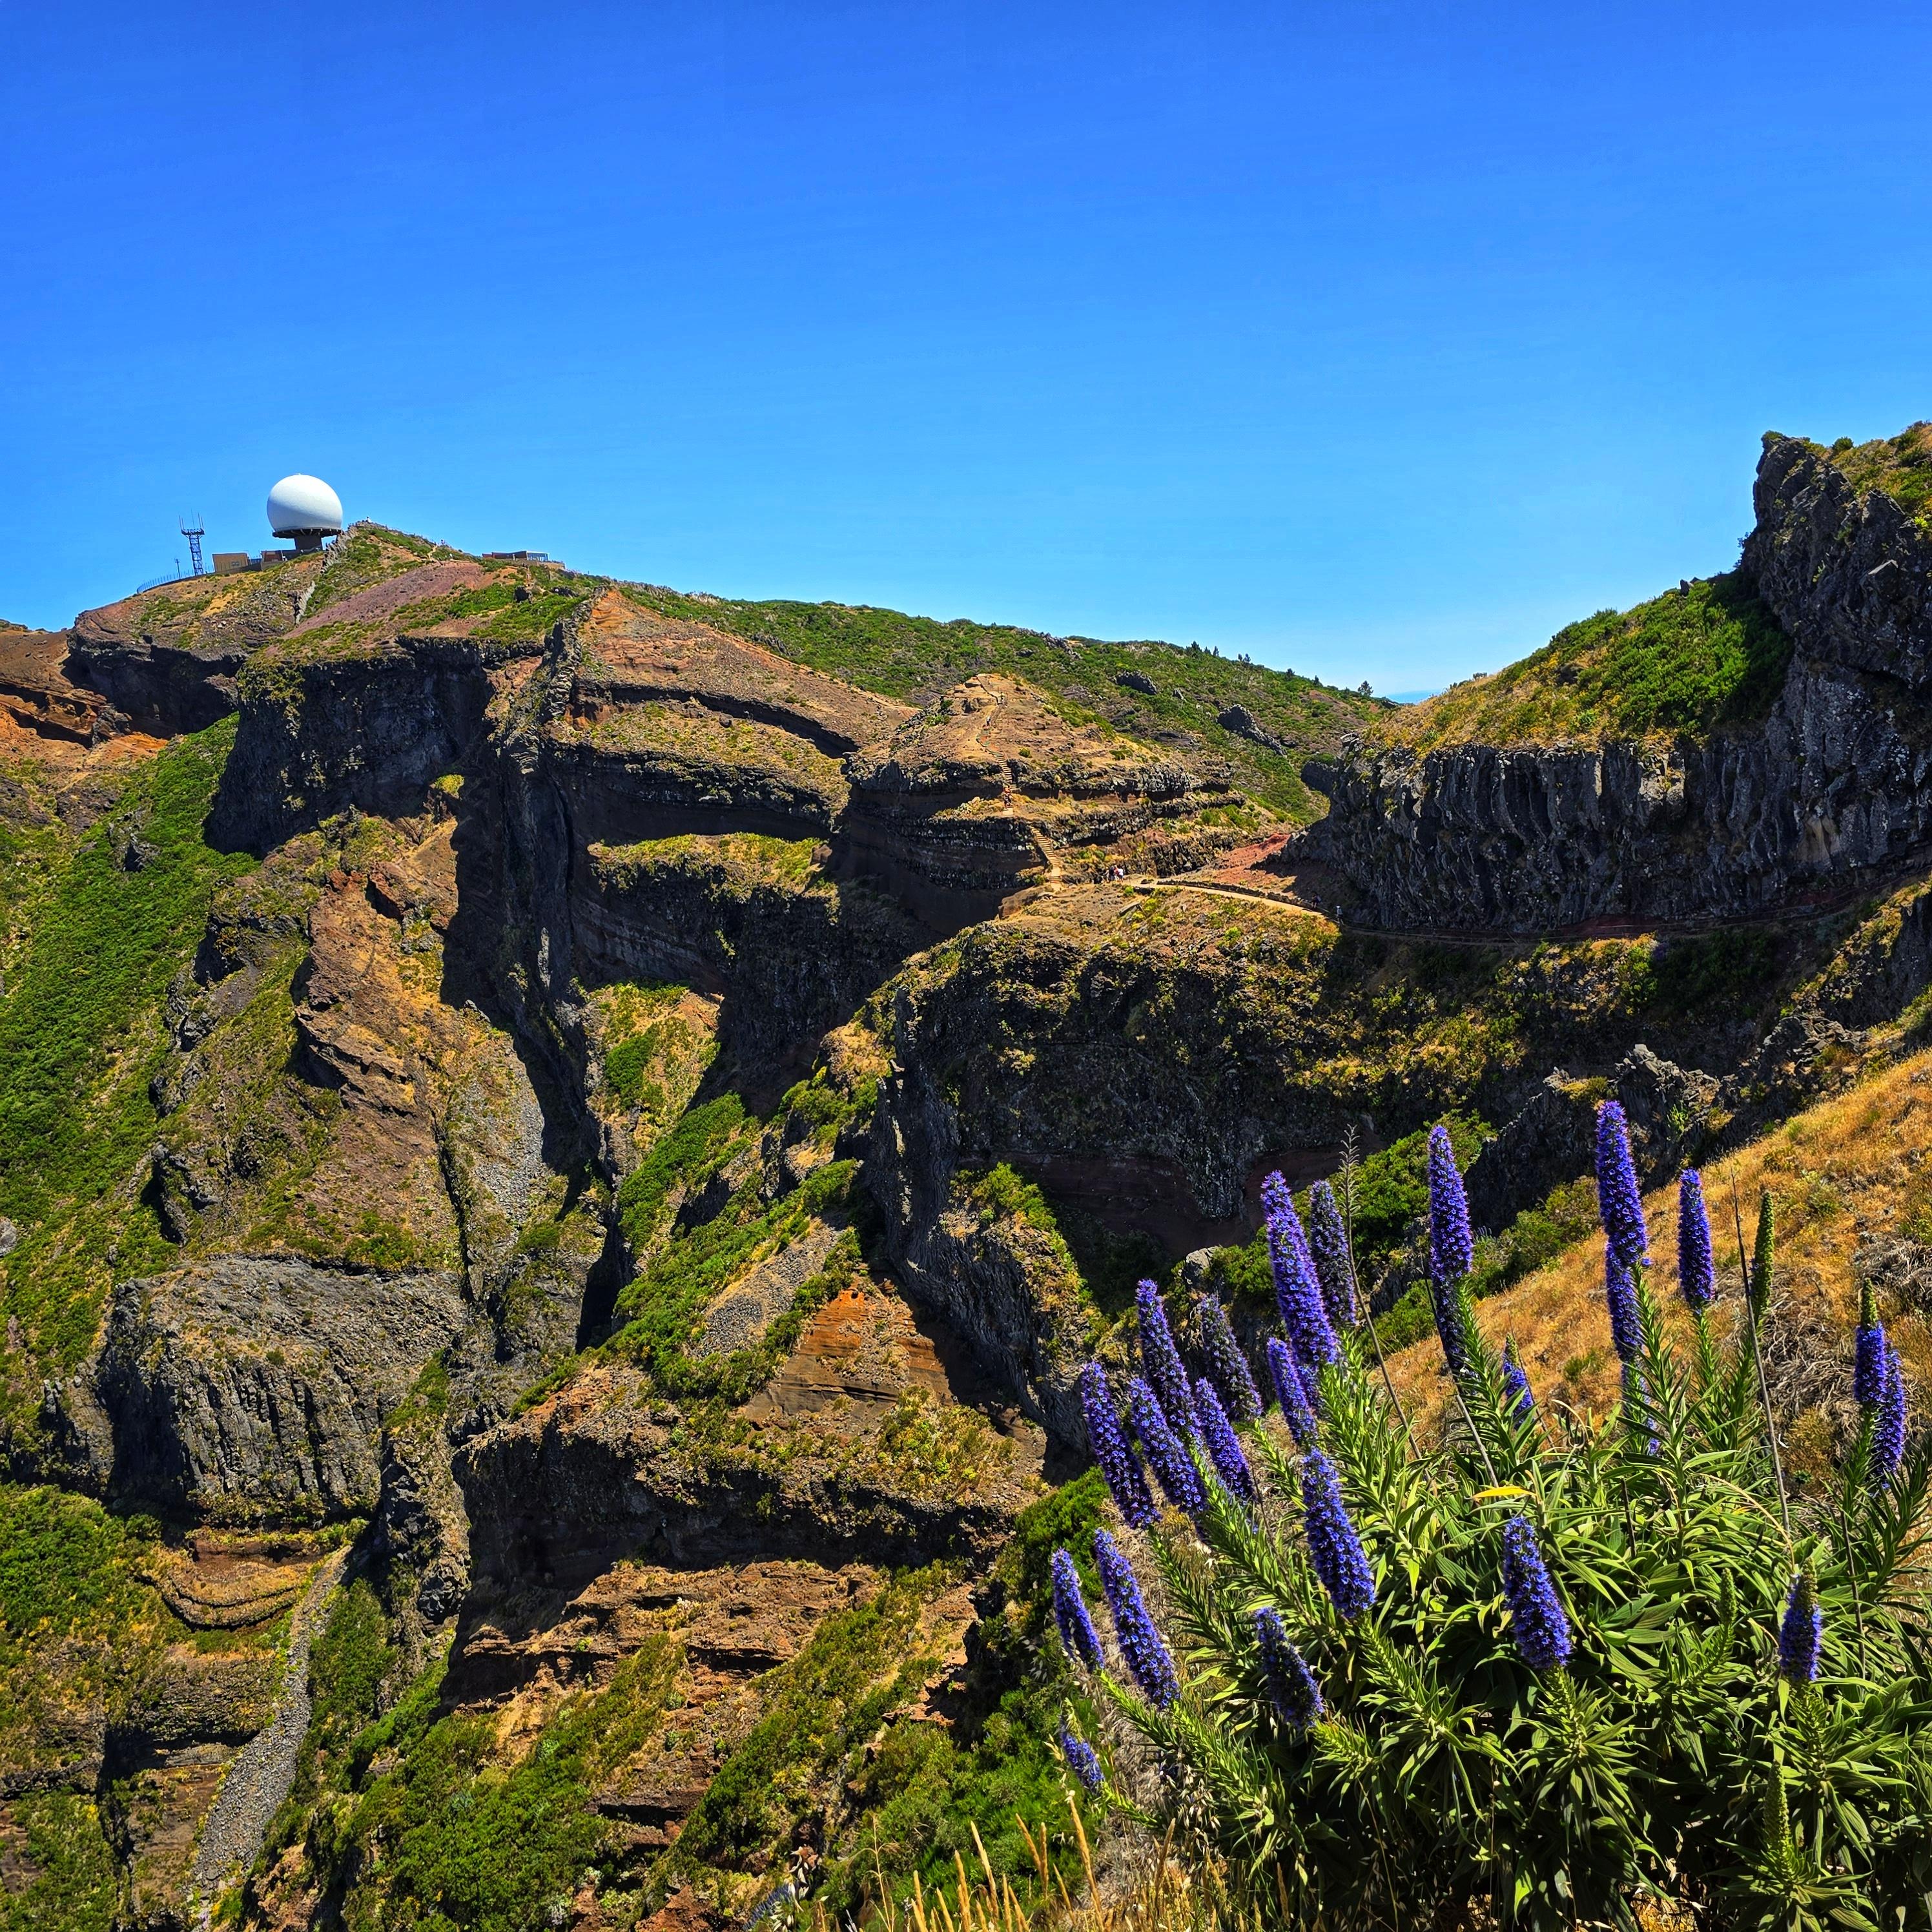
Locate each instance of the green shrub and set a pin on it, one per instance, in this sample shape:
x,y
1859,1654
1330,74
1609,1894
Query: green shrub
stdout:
x,y
60,1872
1665,1740
683,1161
81,1036
1001,1192
425,1823
1731,971
625,1067
1706,654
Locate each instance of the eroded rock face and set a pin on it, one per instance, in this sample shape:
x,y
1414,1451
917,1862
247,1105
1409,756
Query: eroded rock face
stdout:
x,y
36,694
1837,781
812,1468
169,658
252,1387
974,799
1552,1139
1849,576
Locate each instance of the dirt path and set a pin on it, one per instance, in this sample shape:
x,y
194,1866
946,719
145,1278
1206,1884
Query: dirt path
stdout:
x,y
265,1767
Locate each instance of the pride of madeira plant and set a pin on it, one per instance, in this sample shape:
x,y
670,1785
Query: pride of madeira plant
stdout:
x,y
1538,1675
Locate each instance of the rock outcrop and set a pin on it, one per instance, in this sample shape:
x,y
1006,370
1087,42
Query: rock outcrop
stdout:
x,y
250,1387
170,659
1835,784
1552,1139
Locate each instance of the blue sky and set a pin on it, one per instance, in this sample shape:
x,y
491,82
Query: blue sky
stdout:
x,y
1376,341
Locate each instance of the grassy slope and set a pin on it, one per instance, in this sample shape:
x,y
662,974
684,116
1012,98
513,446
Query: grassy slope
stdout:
x,y
1851,1166
78,1626
1901,466
916,658
117,916
1684,664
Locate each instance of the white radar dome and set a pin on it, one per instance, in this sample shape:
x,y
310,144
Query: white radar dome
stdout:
x,y
297,503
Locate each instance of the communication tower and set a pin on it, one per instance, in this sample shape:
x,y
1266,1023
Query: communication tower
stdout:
x,y
194,530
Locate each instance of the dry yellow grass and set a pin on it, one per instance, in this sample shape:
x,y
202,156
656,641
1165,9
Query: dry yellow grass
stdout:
x,y
1853,1165
1160,1898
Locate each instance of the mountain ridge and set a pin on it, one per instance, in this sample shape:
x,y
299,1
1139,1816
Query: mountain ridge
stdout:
x,y
544,1123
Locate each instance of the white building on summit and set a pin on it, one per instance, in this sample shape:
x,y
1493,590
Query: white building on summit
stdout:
x,y
306,508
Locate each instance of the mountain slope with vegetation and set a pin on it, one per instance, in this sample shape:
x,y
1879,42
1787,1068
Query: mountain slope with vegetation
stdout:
x,y
569,1144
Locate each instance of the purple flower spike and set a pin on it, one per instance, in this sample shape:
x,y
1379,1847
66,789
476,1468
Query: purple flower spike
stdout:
x,y
1291,1686
1328,1244
1620,1292
1333,1547
1160,1359
1118,1464
1298,1292
1536,1619
1166,1453
1289,1392
1070,1613
1696,1271
1081,1759
1868,1357
1516,1383
1452,1246
1801,1636
1618,1203
1225,1362
1887,1442
1140,1643
1224,1448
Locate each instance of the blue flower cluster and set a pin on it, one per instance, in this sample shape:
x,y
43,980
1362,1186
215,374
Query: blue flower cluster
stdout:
x,y
1333,1547
1452,1243
1620,1292
1077,1632
1516,1383
1878,1382
1291,1392
1696,1269
1452,1249
1291,1686
1801,1636
1223,1447
1328,1245
1140,1643
1869,1353
1081,1759
1297,1291
1166,1453
1887,1443
1161,1360
1619,1202
1226,1364
1537,1620
1118,1464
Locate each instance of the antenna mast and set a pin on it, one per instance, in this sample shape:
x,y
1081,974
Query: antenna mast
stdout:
x,y
194,530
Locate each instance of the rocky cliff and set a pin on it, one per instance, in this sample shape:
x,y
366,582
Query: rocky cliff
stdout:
x,y
568,1144
1823,795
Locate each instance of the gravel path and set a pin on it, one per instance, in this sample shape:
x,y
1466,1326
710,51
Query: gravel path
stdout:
x,y
265,1767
